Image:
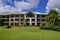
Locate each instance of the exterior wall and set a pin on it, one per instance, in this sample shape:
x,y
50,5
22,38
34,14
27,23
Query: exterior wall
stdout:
x,y
21,19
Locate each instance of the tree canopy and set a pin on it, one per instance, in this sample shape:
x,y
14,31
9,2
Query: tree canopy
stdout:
x,y
52,17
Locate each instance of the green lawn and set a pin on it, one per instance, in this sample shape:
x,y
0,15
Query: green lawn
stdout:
x,y
28,33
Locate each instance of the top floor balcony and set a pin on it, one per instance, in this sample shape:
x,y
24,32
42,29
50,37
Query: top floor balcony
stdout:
x,y
30,17
17,17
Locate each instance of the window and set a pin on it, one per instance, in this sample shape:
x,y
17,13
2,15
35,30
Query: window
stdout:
x,y
43,19
11,19
3,16
30,15
38,19
7,16
0,16
7,20
12,16
38,24
27,19
3,20
33,24
43,16
11,24
16,19
16,15
22,15
58,16
22,19
6,23
43,24
38,15
16,24
27,24
33,19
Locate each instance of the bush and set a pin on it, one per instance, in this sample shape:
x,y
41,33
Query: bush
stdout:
x,y
51,28
56,29
46,28
8,26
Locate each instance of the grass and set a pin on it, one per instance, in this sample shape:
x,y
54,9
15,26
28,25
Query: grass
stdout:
x,y
28,33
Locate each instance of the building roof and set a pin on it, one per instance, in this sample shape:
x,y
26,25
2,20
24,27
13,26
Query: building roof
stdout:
x,y
23,13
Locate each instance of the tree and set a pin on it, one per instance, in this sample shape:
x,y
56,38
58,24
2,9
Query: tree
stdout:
x,y
52,17
57,22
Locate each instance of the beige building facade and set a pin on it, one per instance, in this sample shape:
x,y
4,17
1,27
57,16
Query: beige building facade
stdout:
x,y
24,19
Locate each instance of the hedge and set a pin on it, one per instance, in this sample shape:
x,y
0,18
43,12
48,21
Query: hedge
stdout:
x,y
51,28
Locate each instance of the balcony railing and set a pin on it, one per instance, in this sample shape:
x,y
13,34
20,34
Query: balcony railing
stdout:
x,y
30,17
38,21
59,17
27,21
39,17
43,17
43,21
4,18
6,22
33,21
17,17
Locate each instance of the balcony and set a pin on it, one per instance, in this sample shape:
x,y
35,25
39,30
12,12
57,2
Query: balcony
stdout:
x,y
27,17
33,17
38,21
27,21
38,17
17,17
30,17
43,18
4,18
14,21
6,22
21,17
43,21
59,17
33,21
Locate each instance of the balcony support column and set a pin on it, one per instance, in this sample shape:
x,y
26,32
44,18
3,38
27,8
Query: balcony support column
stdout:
x,y
19,21
30,21
35,19
14,21
40,21
9,20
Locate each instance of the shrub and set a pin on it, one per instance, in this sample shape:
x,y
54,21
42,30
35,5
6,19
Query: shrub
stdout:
x,y
56,29
46,28
51,28
8,26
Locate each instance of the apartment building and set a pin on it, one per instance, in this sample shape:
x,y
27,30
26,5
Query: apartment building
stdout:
x,y
24,18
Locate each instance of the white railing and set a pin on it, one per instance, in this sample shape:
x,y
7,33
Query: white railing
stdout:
x,y
38,21
30,17
6,22
43,21
27,21
39,17
33,21
43,17
4,18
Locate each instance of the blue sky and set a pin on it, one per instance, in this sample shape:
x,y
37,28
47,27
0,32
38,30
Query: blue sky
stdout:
x,y
41,7
17,6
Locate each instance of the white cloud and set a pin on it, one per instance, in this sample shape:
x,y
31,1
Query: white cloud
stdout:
x,y
5,9
53,4
1,3
19,6
26,5
22,5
